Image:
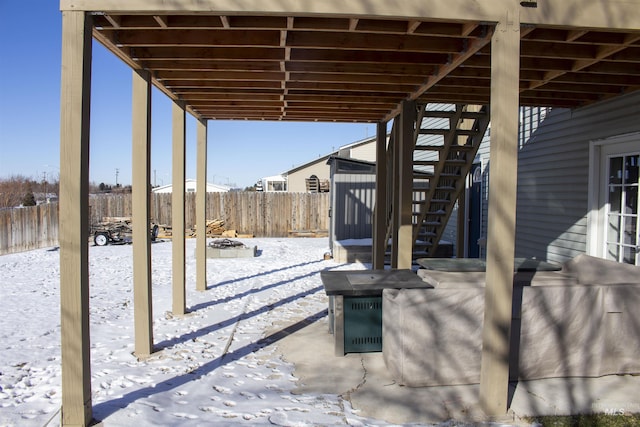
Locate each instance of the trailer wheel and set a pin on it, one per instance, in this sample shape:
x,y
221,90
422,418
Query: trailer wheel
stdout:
x,y
101,239
154,232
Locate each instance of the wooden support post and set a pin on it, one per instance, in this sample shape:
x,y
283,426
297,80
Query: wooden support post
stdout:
x,y
380,208
177,210
395,194
75,95
405,188
141,211
461,226
201,207
505,66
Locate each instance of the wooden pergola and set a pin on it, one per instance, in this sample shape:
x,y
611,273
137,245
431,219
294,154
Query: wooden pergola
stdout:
x,y
333,60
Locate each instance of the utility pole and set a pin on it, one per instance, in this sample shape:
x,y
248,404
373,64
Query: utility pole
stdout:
x,y
44,181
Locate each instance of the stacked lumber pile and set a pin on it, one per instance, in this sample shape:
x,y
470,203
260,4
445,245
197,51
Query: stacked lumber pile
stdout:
x,y
164,231
116,219
215,227
308,233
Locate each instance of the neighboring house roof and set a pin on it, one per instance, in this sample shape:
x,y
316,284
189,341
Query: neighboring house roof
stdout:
x,y
322,159
274,178
358,165
190,184
336,153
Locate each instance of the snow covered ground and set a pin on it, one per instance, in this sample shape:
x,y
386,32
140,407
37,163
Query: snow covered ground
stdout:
x,y
215,366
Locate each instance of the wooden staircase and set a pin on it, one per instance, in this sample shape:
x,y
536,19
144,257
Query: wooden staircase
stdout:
x,y
445,146
446,140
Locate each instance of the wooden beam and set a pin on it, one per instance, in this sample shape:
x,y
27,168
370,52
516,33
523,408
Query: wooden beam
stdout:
x,y
209,65
412,26
242,84
368,56
141,212
354,98
610,14
377,42
194,38
178,234
362,68
172,53
601,53
197,75
133,64
342,78
201,206
75,98
475,46
113,20
494,372
614,14
380,208
348,87
404,209
450,9
163,21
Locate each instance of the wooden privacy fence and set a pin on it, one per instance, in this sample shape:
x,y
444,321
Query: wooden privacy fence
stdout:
x,y
260,214
27,228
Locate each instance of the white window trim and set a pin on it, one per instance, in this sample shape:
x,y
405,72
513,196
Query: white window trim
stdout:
x,y
596,212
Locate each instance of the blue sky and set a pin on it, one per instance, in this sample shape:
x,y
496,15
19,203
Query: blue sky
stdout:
x,y
239,152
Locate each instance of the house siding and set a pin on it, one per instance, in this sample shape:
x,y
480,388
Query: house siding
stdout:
x,y
296,181
362,150
553,175
366,152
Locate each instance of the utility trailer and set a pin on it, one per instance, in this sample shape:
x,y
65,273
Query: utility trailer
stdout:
x,y
117,231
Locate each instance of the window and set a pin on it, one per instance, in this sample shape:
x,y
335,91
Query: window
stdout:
x,y
621,239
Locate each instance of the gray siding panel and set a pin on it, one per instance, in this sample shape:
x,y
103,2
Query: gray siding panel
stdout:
x,y
352,213
553,173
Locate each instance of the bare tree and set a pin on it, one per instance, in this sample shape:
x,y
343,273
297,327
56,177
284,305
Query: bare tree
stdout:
x,y
15,188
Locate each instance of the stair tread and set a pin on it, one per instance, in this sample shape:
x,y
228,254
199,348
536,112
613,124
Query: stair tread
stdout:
x,y
441,147
444,114
428,147
438,131
427,235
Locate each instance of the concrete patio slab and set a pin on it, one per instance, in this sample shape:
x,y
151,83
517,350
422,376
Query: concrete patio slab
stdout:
x,y
363,379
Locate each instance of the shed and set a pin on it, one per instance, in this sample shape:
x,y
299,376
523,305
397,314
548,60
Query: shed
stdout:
x,y
353,186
